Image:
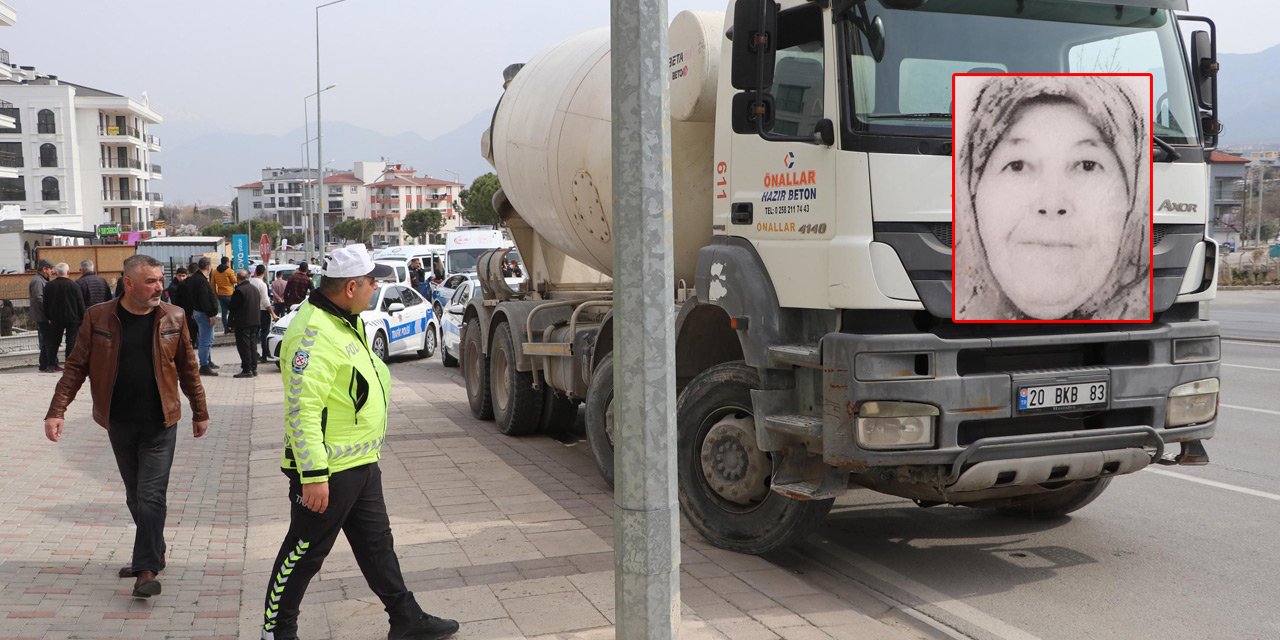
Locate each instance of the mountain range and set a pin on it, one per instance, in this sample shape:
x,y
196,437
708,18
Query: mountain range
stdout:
x,y
203,167
1248,96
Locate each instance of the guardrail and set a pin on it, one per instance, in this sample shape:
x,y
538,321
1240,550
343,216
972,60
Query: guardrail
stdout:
x,y
10,159
117,163
23,343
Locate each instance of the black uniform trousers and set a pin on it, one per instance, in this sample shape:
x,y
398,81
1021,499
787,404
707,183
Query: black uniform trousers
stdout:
x,y
245,339
357,508
144,455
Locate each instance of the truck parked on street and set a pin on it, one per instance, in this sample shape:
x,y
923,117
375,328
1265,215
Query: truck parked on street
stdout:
x,y
811,203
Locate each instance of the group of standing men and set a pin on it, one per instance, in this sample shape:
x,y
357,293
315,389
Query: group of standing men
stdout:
x,y
58,304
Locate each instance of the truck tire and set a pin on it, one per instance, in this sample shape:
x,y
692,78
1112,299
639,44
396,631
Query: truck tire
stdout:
x,y
1055,504
599,417
517,406
724,478
475,371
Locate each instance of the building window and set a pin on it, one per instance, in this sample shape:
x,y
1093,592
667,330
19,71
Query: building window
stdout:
x,y
11,154
355,204
16,114
257,192
45,122
353,189
13,189
49,189
48,155
52,212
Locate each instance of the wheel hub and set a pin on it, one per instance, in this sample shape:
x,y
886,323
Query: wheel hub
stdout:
x,y
732,464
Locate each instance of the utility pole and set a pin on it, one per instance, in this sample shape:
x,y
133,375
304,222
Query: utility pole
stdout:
x,y
646,552
1262,190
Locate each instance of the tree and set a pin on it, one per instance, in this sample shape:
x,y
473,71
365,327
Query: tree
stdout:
x,y
355,229
477,202
420,221
185,230
258,227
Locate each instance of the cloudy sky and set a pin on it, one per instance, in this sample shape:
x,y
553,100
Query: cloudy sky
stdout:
x,y
424,66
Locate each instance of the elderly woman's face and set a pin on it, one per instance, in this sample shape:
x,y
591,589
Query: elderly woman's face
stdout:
x,y
1051,206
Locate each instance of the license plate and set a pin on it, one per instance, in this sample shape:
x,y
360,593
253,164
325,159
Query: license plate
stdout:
x,y
1063,397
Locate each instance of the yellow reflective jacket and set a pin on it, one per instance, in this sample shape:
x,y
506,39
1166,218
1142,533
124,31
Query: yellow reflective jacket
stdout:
x,y
336,393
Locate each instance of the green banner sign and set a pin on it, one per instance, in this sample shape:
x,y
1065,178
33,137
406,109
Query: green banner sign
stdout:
x,y
108,230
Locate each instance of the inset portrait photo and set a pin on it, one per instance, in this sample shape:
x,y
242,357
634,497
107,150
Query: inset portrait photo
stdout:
x,y
1052,193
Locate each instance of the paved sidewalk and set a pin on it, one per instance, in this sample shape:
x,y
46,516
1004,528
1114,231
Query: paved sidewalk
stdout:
x,y
512,536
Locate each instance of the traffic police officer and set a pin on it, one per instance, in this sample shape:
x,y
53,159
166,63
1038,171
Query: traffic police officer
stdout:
x,y
336,396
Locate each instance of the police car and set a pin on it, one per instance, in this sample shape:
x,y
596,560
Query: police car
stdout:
x,y
397,322
451,319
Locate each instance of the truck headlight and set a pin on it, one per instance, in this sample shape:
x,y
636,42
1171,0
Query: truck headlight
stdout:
x,y
1192,402
896,425
1191,350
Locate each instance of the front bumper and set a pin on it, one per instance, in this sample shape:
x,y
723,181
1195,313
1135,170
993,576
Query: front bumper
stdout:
x,y
980,437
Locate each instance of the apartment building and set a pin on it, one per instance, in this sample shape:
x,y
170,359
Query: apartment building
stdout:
x,y
1228,174
81,159
378,190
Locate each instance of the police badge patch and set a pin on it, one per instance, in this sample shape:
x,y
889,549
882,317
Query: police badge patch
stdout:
x,y
300,360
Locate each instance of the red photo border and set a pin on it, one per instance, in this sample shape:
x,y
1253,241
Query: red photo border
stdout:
x,y
955,149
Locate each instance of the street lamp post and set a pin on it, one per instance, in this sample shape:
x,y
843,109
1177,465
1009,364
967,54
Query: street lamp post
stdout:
x,y
319,137
308,228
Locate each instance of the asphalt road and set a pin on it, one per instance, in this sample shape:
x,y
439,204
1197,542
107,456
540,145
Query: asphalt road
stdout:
x,y
1170,552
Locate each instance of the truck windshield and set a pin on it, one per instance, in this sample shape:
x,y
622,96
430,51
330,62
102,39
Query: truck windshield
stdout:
x,y
464,260
908,92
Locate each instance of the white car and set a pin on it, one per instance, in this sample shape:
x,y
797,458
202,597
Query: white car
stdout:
x,y
451,320
397,322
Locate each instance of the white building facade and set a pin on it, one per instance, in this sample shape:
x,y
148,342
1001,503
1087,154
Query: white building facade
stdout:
x,y
84,157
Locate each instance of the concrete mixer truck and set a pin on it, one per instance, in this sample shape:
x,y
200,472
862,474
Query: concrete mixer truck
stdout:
x,y
816,350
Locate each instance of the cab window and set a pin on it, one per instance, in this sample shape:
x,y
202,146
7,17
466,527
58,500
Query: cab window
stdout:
x,y
797,76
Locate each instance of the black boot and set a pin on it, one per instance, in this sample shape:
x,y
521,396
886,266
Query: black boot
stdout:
x,y
424,627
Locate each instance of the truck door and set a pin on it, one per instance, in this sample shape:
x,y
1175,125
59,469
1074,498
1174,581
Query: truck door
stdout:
x,y
784,193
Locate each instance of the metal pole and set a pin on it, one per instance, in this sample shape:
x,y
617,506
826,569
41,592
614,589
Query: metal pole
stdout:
x,y
319,137
1262,190
647,538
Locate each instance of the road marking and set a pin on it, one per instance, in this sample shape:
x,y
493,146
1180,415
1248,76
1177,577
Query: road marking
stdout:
x,y
1245,366
1240,408
995,626
1219,485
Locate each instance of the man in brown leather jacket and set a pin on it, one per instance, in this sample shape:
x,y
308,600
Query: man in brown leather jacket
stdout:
x,y
136,352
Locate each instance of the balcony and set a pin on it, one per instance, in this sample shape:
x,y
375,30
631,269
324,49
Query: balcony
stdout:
x,y
155,197
112,195
13,195
155,169
118,163
10,159
113,130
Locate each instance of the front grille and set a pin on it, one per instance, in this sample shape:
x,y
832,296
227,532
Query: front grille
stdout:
x,y
941,231
973,430
1068,356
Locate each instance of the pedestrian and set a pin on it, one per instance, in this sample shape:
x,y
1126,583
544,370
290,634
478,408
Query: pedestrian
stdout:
x,y
179,297
299,286
266,314
204,305
6,318
171,292
136,351
35,313
93,286
223,280
64,309
418,278
336,421
244,318
277,293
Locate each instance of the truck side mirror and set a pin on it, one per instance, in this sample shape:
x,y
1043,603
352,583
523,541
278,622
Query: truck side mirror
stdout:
x,y
1204,68
755,29
752,112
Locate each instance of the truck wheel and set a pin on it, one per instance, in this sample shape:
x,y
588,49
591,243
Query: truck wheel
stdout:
x,y
600,417
724,478
446,358
517,406
559,413
1055,504
475,371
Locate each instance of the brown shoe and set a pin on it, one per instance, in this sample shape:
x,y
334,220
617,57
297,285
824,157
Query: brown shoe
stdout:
x,y
146,585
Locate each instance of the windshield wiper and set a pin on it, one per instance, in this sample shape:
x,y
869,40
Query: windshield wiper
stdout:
x,y
907,116
1170,154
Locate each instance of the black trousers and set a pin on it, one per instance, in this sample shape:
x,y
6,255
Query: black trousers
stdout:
x,y
245,339
356,508
56,331
144,454
264,328
44,332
